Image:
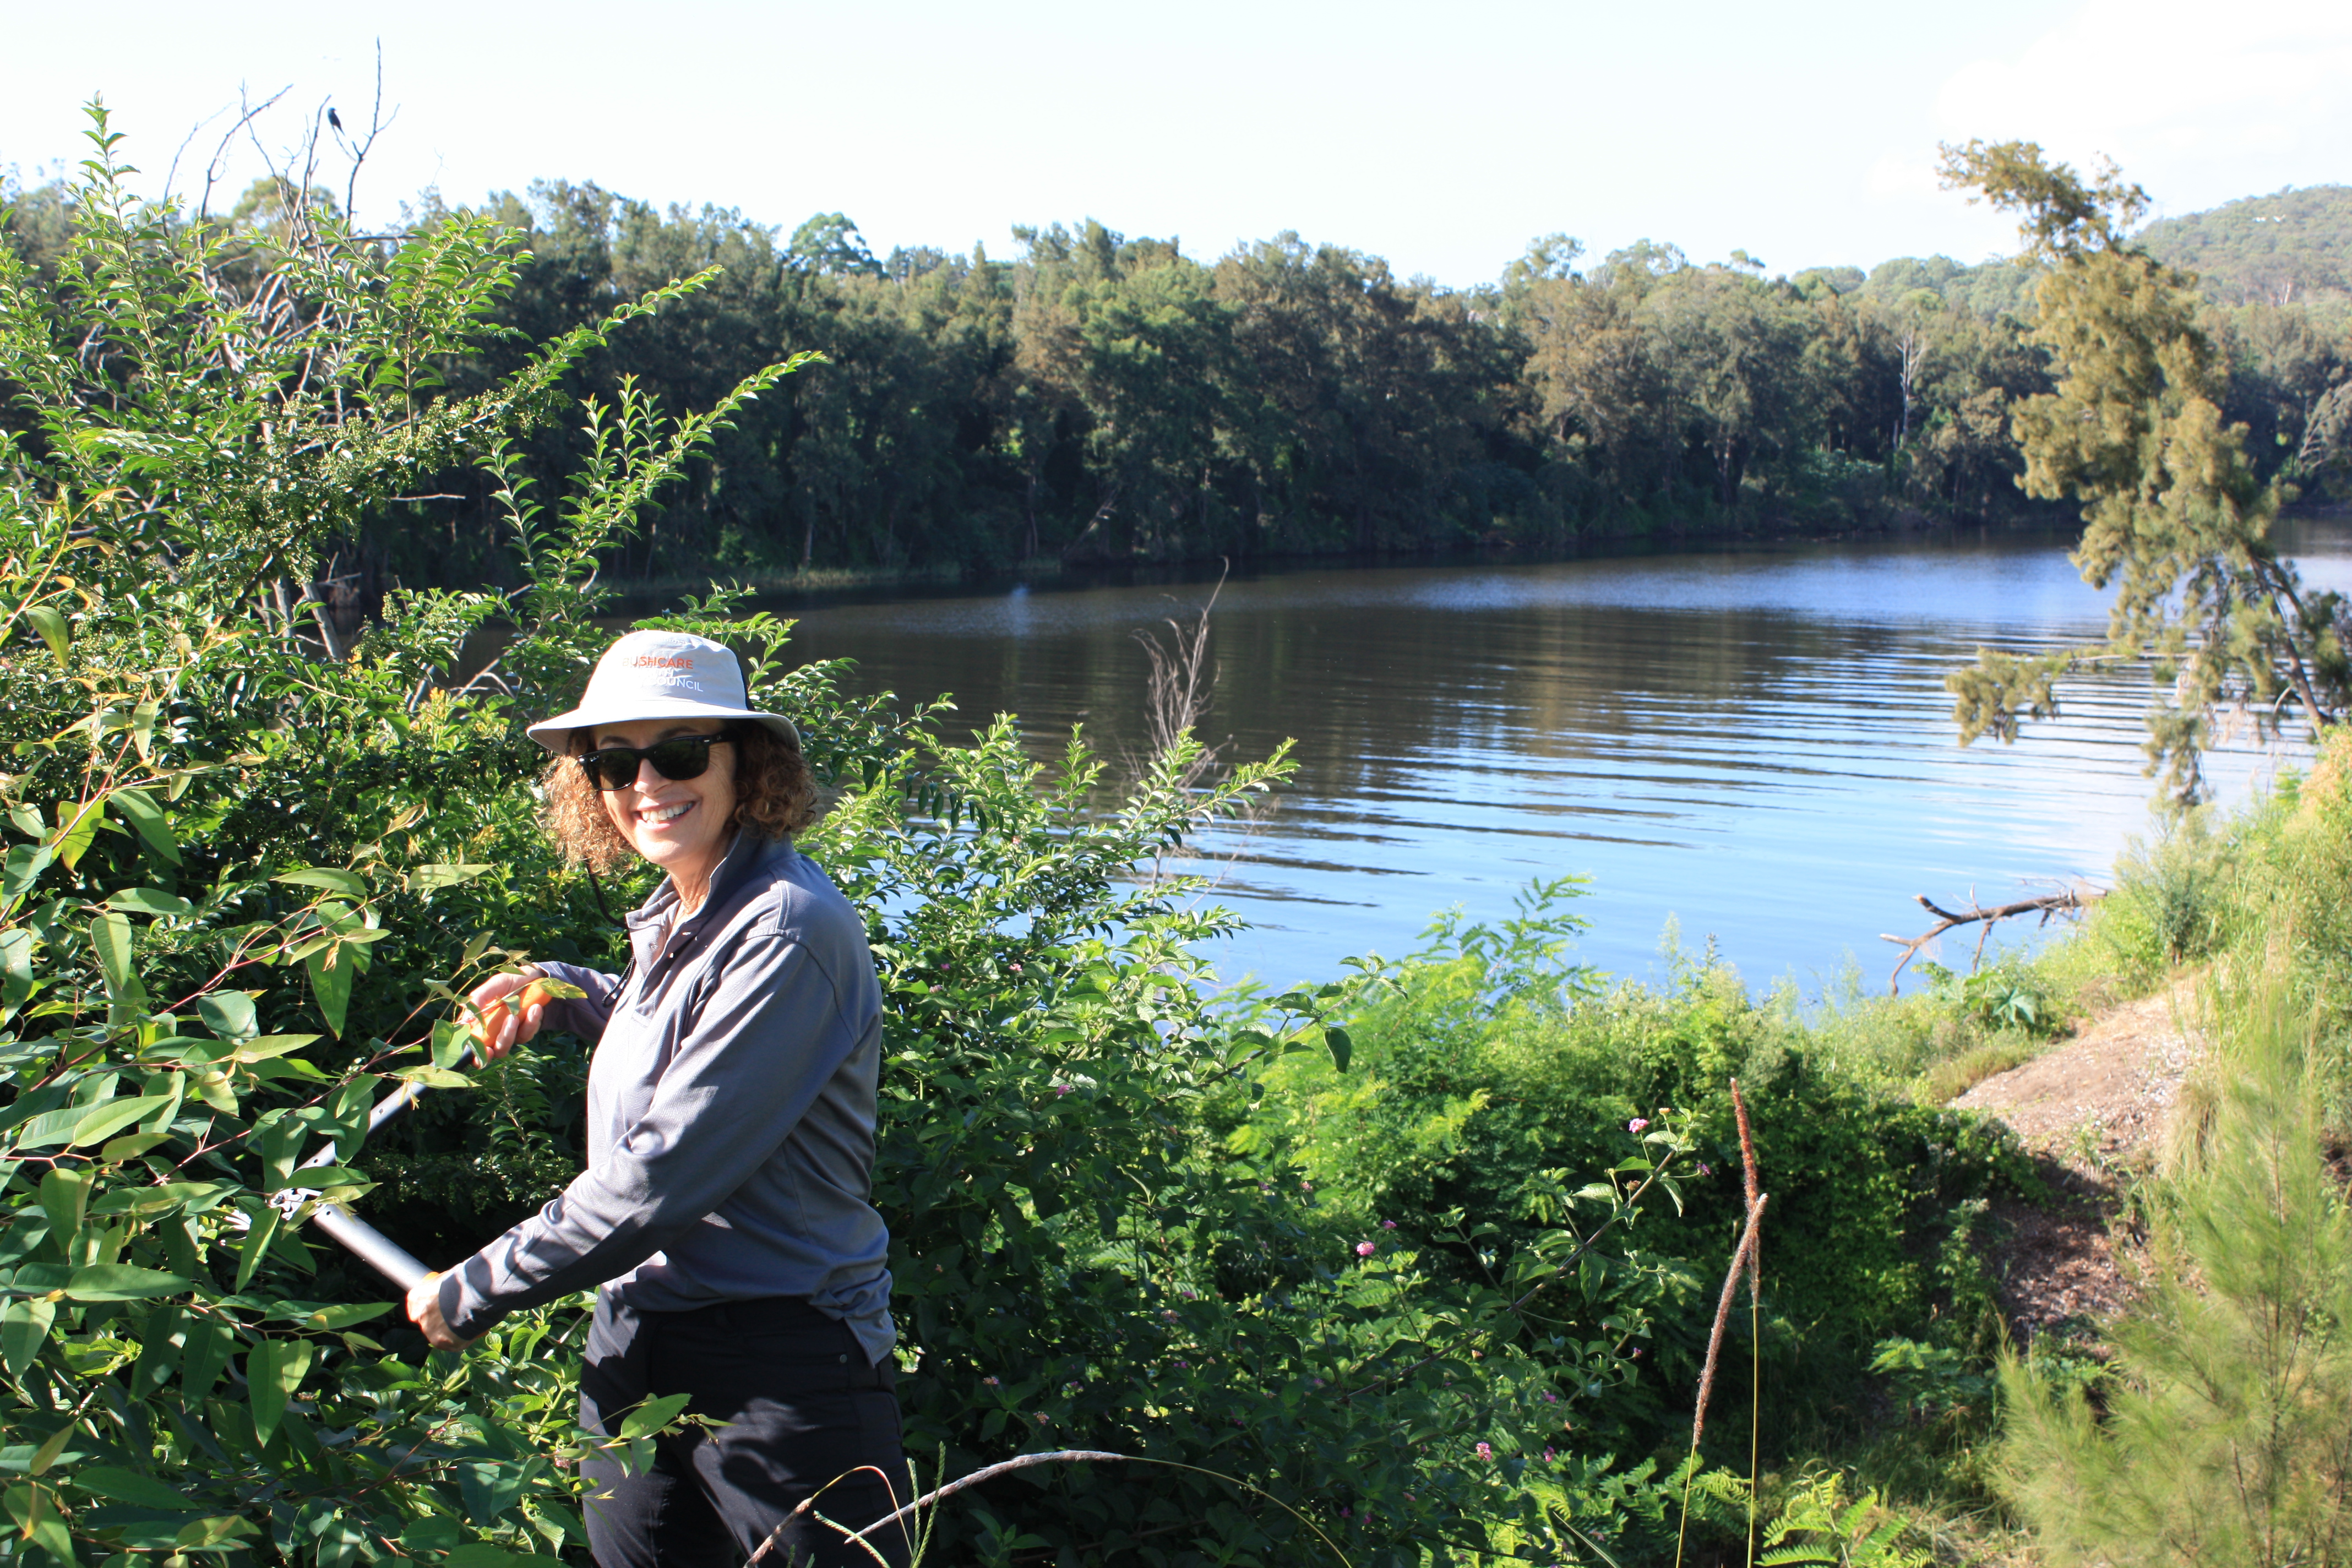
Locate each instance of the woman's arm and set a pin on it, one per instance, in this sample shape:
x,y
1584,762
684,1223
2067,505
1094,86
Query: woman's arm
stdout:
x,y
583,1015
763,1043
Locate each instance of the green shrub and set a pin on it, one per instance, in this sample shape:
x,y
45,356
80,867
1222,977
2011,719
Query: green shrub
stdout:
x,y
1488,1063
251,866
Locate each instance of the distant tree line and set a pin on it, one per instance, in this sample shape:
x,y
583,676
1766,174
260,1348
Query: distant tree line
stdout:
x,y
1098,397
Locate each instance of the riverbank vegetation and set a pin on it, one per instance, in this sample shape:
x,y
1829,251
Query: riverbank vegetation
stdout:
x,y
1419,1265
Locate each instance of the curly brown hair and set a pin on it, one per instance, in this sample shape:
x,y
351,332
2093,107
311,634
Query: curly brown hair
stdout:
x,y
775,792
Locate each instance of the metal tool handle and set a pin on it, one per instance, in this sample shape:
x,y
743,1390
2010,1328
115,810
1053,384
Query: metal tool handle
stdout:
x,y
372,1246
358,1238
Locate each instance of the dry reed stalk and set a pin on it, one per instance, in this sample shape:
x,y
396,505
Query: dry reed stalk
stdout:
x,y
1743,1262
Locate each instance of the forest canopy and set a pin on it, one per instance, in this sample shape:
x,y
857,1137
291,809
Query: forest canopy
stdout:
x,y
1096,396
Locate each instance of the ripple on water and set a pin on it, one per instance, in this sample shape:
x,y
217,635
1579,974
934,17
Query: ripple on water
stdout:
x,y
1756,743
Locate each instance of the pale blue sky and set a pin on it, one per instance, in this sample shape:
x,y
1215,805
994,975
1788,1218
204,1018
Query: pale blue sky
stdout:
x,y
1441,137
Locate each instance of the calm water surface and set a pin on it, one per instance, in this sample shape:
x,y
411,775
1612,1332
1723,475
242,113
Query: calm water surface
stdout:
x,y
1755,743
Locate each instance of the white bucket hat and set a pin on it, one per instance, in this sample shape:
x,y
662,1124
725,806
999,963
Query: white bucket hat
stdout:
x,y
661,675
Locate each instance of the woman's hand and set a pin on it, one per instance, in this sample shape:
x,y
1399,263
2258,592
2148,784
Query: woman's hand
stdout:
x,y
425,1311
503,1020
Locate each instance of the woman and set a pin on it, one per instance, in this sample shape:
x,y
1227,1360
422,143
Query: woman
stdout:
x,y
725,1211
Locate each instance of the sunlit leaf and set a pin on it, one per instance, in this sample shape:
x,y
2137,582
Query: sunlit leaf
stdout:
x,y
147,818
228,1013
423,878
331,987
51,628
347,883
149,901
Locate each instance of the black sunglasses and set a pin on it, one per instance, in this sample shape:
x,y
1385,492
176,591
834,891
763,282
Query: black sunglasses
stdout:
x,y
680,757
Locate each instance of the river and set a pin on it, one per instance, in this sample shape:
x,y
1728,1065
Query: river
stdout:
x,y
1755,743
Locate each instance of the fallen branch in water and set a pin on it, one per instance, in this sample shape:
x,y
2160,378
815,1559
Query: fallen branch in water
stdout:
x,y
2072,901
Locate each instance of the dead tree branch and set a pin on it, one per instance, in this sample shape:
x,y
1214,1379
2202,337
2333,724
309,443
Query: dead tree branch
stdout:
x,y
2073,900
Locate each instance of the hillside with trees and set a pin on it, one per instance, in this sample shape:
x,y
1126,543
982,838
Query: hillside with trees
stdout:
x,y
2291,246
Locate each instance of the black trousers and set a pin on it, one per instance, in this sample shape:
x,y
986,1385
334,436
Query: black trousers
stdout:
x,y
801,1407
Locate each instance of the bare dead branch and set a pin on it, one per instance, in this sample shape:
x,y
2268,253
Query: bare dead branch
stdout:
x,y
2073,900
377,125
216,169
172,174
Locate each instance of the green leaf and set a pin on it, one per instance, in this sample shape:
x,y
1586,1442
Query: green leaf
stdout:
x,y
51,627
128,1486
261,1048
349,1314
76,832
124,1282
28,819
110,934
1343,1047
147,818
65,1198
256,1246
653,1415
161,1339
423,878
450,1041
23,1330
112,1117
331,985
273,1370
23,868
228,1013
131,1148
347,883
207,1534
149,902
434,1077
50,1127
16,969
51,1447
210,1344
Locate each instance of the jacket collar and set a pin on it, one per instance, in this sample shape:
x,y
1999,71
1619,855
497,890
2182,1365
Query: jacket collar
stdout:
x,y
745,856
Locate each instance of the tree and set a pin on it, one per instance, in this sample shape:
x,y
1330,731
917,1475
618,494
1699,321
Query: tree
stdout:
x,y
2175,518
2226,1436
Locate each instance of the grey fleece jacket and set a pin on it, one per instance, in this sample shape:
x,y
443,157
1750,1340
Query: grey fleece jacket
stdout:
x,y
730,1115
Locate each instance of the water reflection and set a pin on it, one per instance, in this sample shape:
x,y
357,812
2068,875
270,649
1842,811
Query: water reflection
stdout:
x,y
1755,743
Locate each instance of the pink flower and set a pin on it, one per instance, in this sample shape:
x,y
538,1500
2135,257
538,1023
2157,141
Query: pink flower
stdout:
x,y
1705,1170
1388,1225
1547,1455
1486,1451
1060,1088
990,1380
1637,1124
1365,1250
